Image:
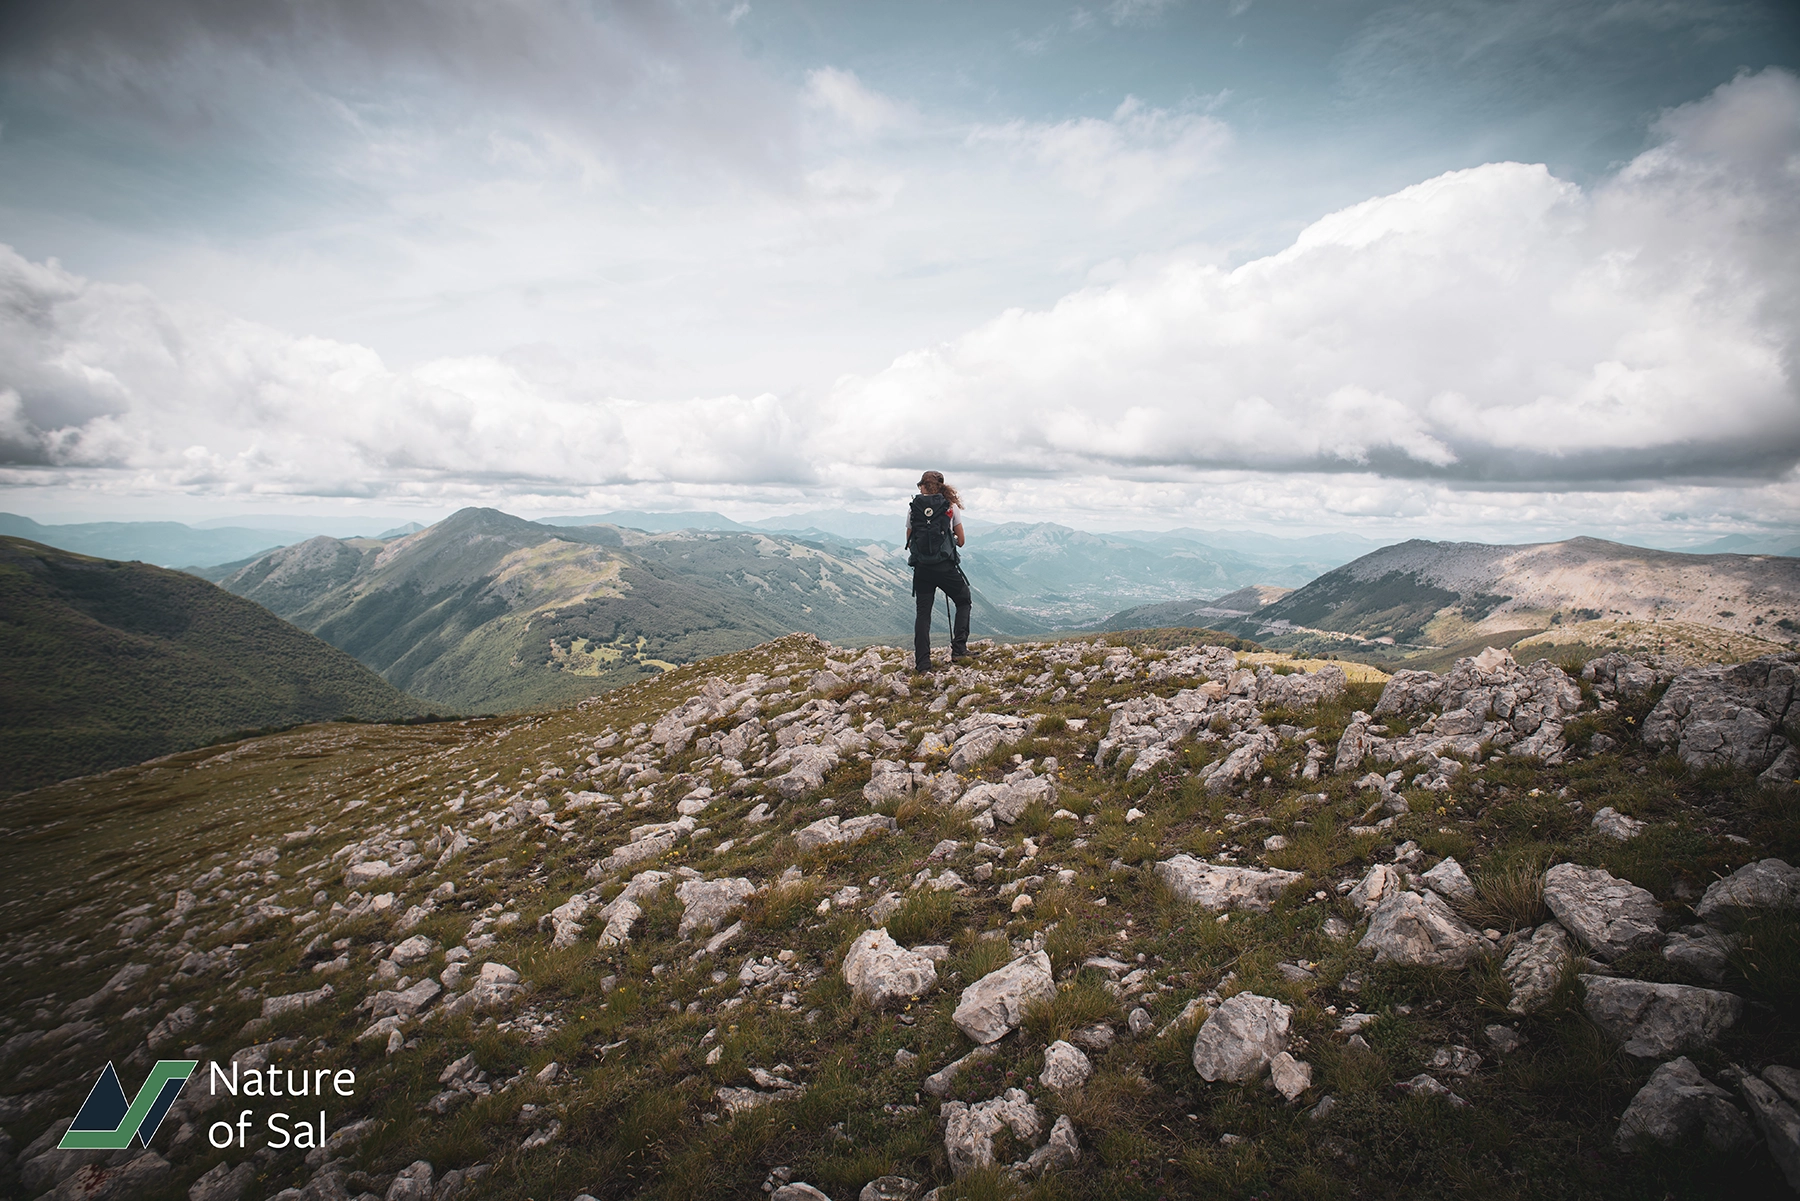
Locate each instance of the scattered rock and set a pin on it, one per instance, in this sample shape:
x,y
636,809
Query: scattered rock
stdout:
x,y
1702,950
1382,881
1675,1102
1613,824
413,1183
707,903
1421,931
1654,1021
1767,884
1608,915
1219,887
1290,1076
833,830
1729,716
1424,1085
890,1188
1780,1125
1241,1037
1503,1039
1060,1151
1535,965
1064,1067
969,1130
223,1183
799,1190
996,1003
880,972
1449,881
938,1084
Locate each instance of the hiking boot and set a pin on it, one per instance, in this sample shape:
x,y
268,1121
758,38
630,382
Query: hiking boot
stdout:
x,y
958,656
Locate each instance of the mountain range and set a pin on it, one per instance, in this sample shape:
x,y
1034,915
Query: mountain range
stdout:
x,y
1441,596
104,664
486,611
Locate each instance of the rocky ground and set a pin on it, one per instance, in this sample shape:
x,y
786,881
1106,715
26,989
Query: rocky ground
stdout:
x,y
1065,920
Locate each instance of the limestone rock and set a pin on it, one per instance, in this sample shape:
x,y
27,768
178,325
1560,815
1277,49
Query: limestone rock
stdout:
x,y
1449,881
800,1190
1767,884
1676,1101
413,1183
1421,931
1382,881
1290,1076
707,903
830,830
1609,916
623,911
1702,950
1409,692
1780,1125
881,972
1728,716
888,781
1654,1021
890,1188
975,746
1219,887
938,1084
1061,1150
1241,1037
969,1130
996,1003
223,1183
1064,1067
1534,965
1610,823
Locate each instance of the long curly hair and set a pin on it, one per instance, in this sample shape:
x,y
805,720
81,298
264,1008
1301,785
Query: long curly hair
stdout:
x,y
933,483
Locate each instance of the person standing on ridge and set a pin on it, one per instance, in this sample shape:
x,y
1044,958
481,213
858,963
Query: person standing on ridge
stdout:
x,y
933,533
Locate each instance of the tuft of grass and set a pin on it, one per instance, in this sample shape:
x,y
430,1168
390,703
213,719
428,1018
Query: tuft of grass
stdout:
x,y
1509,898
927,916
1079,1002
781,906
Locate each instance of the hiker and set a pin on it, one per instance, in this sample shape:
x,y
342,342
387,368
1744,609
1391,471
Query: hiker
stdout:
x,y
933,533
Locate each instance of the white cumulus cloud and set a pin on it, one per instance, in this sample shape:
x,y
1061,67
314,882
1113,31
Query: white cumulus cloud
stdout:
x,y
1490,325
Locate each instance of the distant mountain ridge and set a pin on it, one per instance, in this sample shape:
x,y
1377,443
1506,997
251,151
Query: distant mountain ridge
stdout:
x,y
1445,593
487,611
105,663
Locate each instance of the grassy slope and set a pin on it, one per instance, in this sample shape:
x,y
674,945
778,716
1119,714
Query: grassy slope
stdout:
x,y
1539,1122
105,663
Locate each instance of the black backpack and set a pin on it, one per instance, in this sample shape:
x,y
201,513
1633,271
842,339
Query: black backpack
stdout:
x,y
932,542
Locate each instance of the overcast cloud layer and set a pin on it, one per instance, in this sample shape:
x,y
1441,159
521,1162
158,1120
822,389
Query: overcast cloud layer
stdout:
x,y
609,257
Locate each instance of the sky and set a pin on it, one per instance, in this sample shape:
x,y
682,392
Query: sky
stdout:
x,y
1500,270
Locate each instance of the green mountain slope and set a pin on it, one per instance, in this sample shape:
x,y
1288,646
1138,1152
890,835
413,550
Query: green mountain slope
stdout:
x,y
105,663
487,611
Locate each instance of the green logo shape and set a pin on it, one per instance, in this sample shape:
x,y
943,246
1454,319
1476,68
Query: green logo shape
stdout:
x,y
107,1123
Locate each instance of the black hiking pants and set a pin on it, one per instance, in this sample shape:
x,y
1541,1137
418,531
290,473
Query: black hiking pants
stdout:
x,y
926,583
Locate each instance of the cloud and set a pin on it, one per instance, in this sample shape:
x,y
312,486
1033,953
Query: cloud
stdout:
x,y
1137,157
859,109
110,382
1492,345
375,88
1490,326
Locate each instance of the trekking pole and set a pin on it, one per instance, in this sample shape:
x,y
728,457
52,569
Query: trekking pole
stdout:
x,y
949,627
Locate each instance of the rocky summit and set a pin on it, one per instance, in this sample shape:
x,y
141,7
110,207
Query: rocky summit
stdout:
x,y
1067,919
